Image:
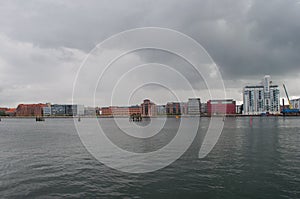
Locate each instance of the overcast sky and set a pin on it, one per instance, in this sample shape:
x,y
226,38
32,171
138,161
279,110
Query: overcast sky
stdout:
x,y
43,43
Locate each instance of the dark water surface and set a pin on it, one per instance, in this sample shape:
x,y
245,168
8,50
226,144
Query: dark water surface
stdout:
x,y
48,160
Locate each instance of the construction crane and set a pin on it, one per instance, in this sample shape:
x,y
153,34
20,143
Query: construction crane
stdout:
x,y
287,96
291,109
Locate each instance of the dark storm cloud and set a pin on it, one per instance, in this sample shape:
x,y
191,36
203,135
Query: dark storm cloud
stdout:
x,y
242,36
267,43
246,38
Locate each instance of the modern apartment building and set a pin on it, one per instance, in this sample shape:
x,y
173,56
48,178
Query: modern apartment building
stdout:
x,y
67,110
262,99
194,106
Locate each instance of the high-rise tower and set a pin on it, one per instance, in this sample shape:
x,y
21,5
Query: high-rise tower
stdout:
x,y
263,98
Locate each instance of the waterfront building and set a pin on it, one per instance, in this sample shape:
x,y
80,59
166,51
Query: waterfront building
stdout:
x,y
161,109
239,109
173,108
58,110
261,99
11,112
24,110
296,103
3,111
183,108
90,111
136,109
120,110
98,111
47,111
221,107
67,110
105,111
148,108
79,109
204,108
194,106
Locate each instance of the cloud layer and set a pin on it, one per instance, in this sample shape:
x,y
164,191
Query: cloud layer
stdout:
x,y
42,43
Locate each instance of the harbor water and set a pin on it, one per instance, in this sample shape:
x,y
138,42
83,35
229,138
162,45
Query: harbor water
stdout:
x,y
257,159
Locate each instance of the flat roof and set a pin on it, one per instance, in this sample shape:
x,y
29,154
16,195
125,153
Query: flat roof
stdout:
x,y
271,86
221,100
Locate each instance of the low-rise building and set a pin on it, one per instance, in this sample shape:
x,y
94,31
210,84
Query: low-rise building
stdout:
x,y
194,106
120,110
11,112
221,107
67,110
239,109
30,109
204,108
161,109
184,108
136,109
90,111
3,111
173,108
7,111
47,111
105,111
58,110
296,103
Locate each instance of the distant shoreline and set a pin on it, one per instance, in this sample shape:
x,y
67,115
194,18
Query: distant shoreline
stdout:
x,y
160,116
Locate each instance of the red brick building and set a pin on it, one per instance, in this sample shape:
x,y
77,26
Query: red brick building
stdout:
x,y
105,111
120,111
135,109
30,109
148,108
221,107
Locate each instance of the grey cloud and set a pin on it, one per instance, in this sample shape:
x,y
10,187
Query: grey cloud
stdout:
x,y
238,34
246,38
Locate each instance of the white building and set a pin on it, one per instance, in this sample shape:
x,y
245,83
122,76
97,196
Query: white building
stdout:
x,y
161,109
80,110
194,106
296,103
184,108
89,111
263,98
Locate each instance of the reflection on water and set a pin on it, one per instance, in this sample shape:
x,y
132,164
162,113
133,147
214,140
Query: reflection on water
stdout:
x,y
249,161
